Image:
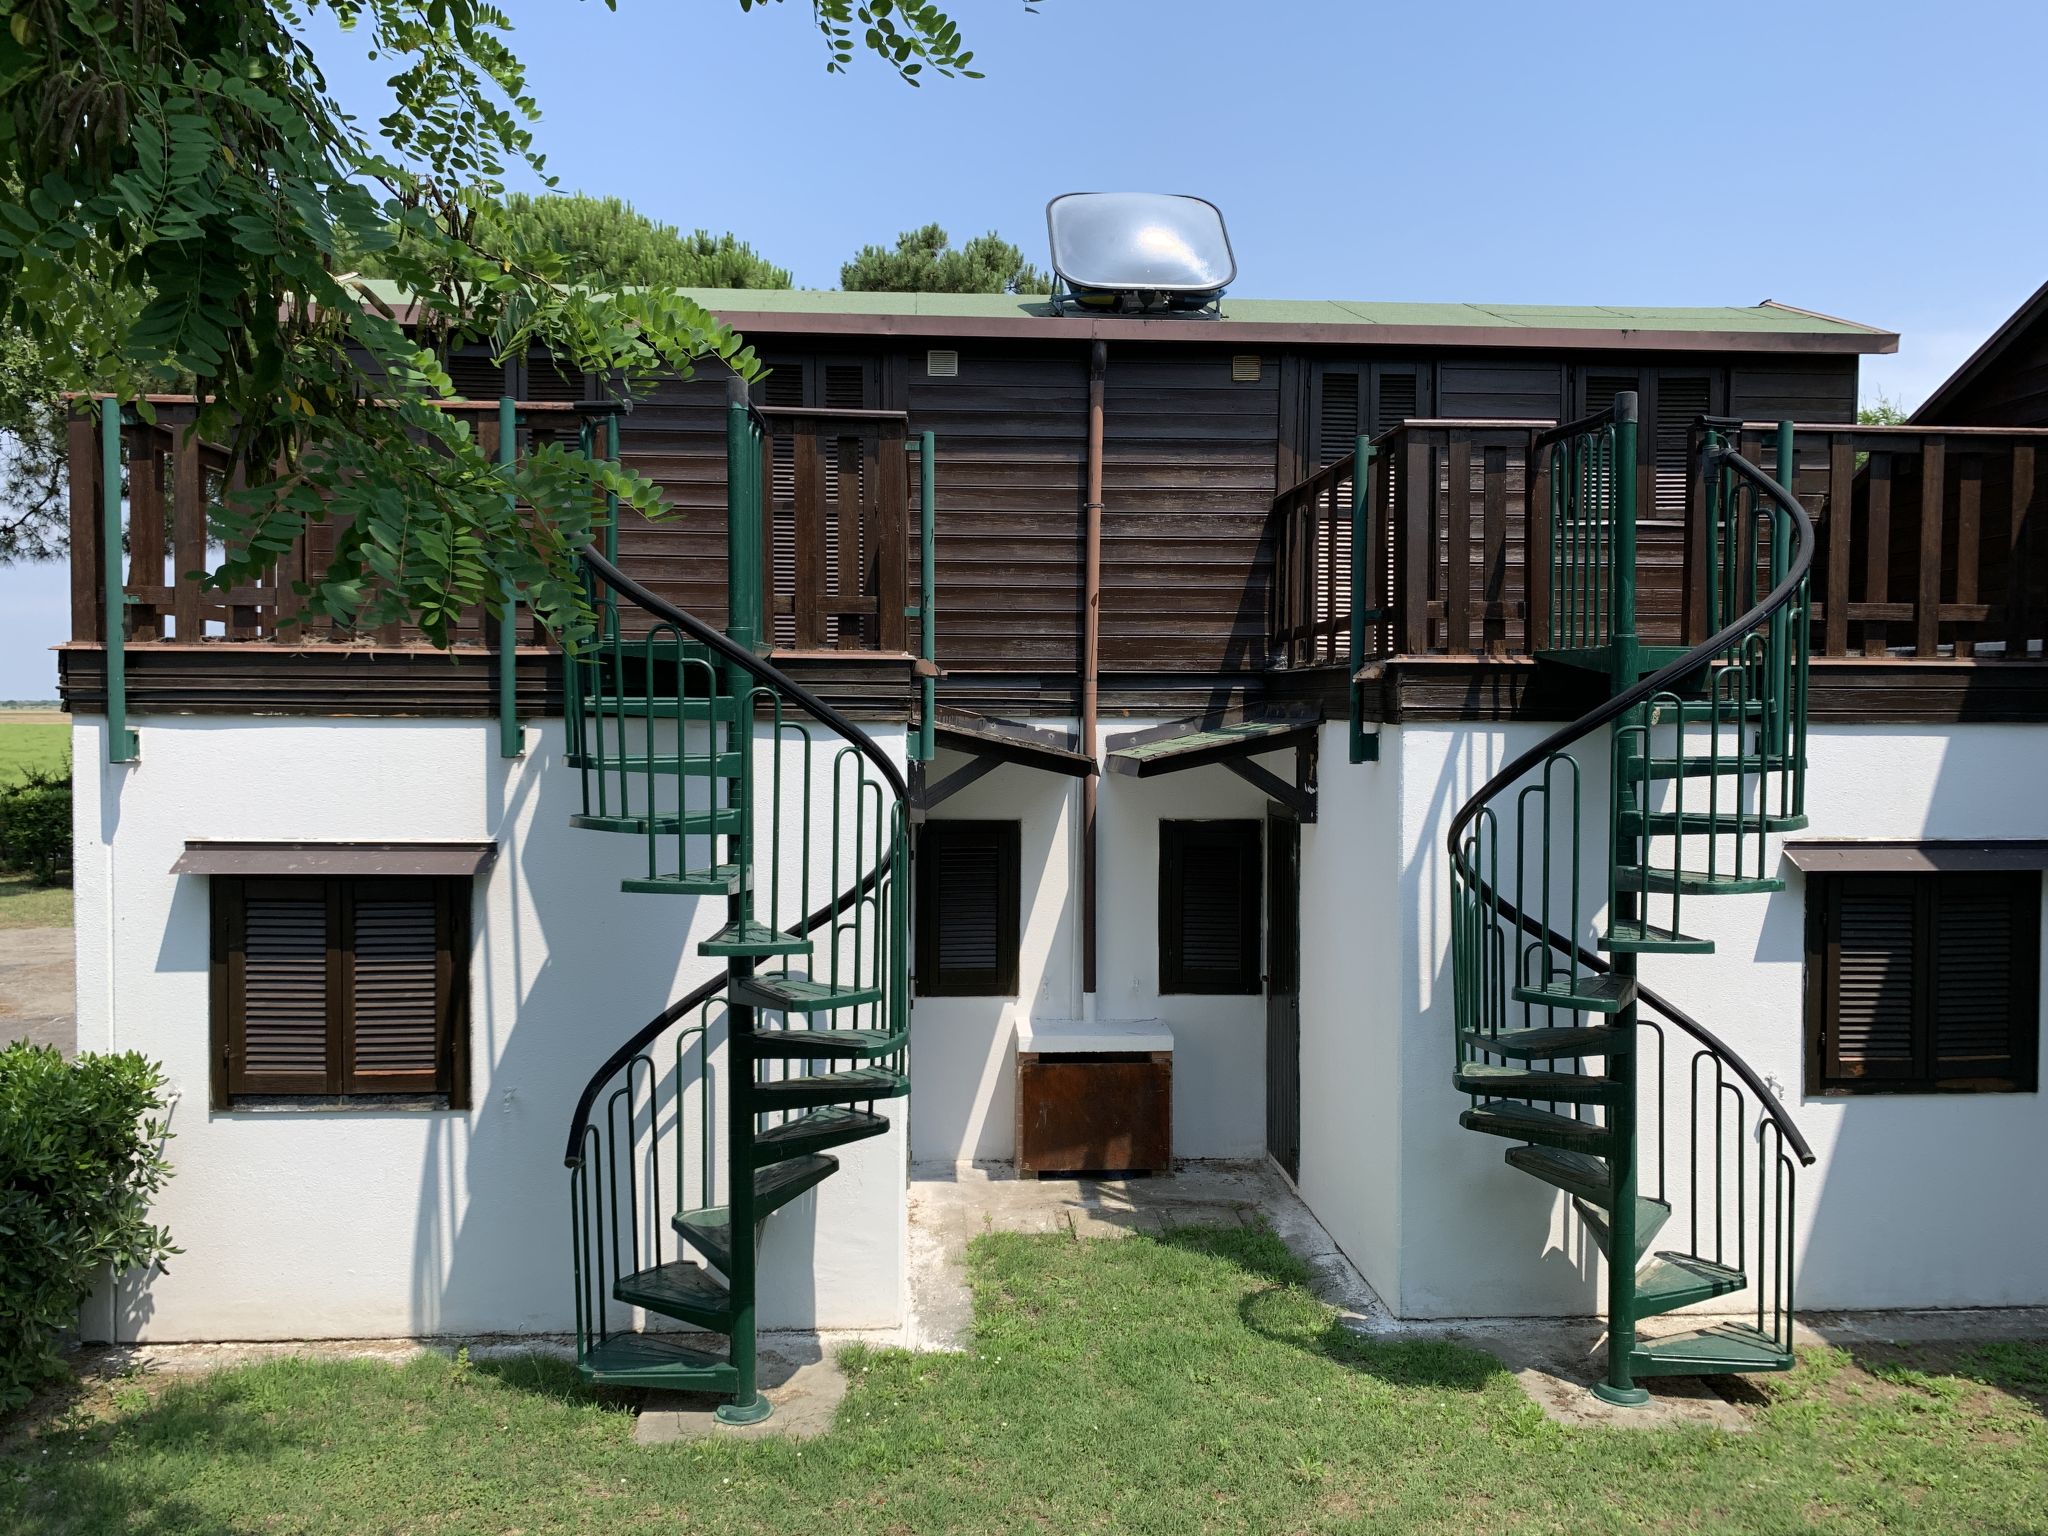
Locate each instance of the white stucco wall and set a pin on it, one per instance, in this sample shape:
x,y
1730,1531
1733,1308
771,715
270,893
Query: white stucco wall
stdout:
x,y
1910,1203
350,1223
963,1051
1353,1019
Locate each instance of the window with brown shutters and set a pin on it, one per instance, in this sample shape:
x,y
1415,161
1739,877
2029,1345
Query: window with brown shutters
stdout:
x,y
1209,889
1923,982
339,988
969,875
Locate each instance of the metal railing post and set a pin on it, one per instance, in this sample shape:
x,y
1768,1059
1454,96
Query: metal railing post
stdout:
x,y
121,743
927,567
1364,748
511,740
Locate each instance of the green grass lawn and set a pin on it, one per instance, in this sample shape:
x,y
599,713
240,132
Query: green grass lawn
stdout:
x,y
33,743
1170,1386
24,904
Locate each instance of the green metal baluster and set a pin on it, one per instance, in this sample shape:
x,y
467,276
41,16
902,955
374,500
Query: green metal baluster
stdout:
x,y
1625,658
121,743
1364,748
927,565
743,583
511,740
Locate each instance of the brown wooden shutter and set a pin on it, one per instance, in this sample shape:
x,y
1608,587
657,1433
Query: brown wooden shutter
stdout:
x,y
1680,399
1871,945
969,875
1337,416
282,1034
397,961
1209,886
785,386
341,986
1601,388
1985,941
1920,982
477,377
1397,397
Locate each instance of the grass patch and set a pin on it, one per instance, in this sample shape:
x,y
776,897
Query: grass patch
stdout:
x,y
24,904
26,745
1177,1385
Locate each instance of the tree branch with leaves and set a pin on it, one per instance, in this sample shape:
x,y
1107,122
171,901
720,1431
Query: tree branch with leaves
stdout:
x,y
185,197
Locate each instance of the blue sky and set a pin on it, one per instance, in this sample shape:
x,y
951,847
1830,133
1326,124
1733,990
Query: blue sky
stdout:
x,y
1846,158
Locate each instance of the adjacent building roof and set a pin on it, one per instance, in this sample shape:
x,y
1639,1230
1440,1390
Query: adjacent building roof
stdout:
x,y
2020,327
1766,327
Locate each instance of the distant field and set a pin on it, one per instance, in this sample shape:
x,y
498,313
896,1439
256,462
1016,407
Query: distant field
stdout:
x,y
33,741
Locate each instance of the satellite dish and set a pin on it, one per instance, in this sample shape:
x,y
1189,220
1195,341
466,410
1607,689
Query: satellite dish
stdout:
x,y
1135,252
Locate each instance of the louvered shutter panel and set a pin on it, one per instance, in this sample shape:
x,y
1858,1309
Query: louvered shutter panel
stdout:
x,y
1679,401
785,386
1985,994
1338,418
1601,388
1209,907
968,903
967,919
1400,399
477,377
1874,988
283,1033
397,989
844,388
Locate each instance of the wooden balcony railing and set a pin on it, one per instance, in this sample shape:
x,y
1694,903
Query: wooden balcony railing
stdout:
x,y
1444,539
1933,541
837,551
836,558
169,478
1933,545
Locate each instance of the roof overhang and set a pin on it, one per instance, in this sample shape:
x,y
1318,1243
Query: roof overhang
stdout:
x,y
1252,333
315,860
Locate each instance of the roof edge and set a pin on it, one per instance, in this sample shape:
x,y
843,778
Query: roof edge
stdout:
x,y
1861,341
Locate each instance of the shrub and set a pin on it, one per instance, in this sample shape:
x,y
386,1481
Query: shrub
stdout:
x,y
79,1160
35,824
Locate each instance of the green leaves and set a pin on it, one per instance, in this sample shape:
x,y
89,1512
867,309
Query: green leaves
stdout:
x,y
181,210
80,1157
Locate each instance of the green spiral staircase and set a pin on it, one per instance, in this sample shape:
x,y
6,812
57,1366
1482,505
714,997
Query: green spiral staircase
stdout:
x,y
741,785
1560,1046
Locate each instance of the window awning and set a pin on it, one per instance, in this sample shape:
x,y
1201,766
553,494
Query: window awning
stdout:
x,y
1230,741
1193,743
1828,855
1007,741
239,858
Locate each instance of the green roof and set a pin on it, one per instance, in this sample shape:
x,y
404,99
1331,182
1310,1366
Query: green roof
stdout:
x,y
1765,317
1768,326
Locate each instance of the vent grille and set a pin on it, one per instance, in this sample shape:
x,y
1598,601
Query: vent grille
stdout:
x,y
942,364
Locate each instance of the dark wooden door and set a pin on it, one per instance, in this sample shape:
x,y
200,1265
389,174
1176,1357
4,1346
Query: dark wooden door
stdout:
x,y
1283,992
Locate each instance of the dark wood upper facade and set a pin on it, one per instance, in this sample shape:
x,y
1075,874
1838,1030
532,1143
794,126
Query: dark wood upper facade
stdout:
x,y
1207,429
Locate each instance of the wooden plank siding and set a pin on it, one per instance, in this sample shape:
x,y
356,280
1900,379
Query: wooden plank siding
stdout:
x,y
1188,482
1011,429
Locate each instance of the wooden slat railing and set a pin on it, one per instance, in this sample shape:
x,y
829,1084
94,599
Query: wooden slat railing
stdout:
x,y
837,552
1933,541
172,479
1447,538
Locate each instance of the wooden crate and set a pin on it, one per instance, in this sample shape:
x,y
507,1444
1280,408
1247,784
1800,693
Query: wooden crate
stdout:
x,y
1094,1112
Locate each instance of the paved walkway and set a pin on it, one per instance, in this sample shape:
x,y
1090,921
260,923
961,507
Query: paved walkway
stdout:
x,y
37,997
